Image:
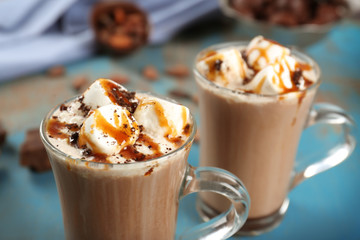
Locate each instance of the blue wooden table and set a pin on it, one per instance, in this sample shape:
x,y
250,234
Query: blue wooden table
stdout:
x,y
324,207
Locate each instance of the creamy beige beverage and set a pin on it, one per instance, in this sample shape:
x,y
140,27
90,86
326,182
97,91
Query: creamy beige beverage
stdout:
x,y
97,142
254,102
120,163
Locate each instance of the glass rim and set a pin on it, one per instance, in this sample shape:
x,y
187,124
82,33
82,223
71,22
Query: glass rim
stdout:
x,y
302,56
45,138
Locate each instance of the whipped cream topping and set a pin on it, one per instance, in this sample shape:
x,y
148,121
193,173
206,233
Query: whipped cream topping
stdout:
x,y
262,67
107,123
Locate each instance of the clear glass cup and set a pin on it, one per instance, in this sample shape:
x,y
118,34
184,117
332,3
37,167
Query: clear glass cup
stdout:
x,y
140,200
256,137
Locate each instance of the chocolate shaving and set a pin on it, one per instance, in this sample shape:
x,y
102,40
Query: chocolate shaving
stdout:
x,y
130,152
296,76
246,80
86,152
186,130
217,65
125,99
63,107
148,173
72,126
83,107
74,138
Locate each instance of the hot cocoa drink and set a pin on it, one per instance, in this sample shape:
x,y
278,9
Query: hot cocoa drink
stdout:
x,y
103,192
120,163
254,102
120,201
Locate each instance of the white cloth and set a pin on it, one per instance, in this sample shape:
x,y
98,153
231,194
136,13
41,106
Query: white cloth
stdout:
x,y
32,38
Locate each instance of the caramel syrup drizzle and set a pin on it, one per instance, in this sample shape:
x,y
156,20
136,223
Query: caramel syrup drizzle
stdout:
x,y
55,127
295,86
85,140
110,89
260,85
214,63
186,126
214,60
207,54
263,53
240,59
118,96
130,152
122,134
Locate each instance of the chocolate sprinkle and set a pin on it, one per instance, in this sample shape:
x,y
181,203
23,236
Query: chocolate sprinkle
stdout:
x,y
186,130
123,98
87,152
72,126
296,77
74,138
63,107
85,109
217,65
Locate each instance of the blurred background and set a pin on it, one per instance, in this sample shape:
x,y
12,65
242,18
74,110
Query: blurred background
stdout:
x,y
52,50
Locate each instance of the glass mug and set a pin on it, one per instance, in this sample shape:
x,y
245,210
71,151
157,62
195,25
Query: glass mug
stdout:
x,y
140,200
256,137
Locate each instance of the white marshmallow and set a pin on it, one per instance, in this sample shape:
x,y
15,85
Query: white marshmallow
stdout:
x,y
96,95
262,52
161,118
265,82
233,69
274,78
108,129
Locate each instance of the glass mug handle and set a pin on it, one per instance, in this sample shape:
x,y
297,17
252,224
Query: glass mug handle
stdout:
x,y
210,179
333,115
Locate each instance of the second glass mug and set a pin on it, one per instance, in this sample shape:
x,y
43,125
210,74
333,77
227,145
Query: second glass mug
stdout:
x,y
114,201
256,137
